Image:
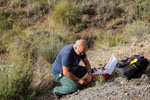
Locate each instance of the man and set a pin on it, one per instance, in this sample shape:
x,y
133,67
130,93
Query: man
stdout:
x,y
66,69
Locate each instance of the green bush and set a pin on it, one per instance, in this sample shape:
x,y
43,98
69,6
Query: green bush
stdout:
x,y
16,79
16,3
136,31
100,79
6,20
50,48
109,39
65,13
28,44
33,9
90,39
41,49
3,2
108,10
8,37
43,4
40,6
85,13
140,10
38,44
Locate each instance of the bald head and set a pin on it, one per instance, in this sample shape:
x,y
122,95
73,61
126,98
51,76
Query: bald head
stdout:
x,y
80,46
80,43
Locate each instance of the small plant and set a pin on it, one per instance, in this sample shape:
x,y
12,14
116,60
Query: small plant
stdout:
x,y
100,79
50,48
108,10
136,31
6,20
16,79
16,3
33,9
38,44
90,38
65,13
140,10
42,3
8,37
40,6
109,39
83,8
3,2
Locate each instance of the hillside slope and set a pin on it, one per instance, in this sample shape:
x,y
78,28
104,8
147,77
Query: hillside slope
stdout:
x,y
115,88
38,29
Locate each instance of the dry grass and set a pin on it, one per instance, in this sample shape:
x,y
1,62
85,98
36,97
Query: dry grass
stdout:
x,y
136,31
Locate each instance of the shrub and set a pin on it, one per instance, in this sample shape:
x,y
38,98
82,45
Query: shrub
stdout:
x,y
28,44
85,12
8,37
4,44
38,44
41,2
3,2
65,13
6,20
136,31
50,48
101,79
90,39
16,79
109,39
51,3
40,6
33,9
108,10
140,10
16,3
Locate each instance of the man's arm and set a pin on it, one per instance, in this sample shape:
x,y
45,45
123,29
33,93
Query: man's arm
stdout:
x,y
88,67
68,74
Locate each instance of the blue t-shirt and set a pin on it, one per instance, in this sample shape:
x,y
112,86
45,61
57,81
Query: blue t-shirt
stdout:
x,y
68,58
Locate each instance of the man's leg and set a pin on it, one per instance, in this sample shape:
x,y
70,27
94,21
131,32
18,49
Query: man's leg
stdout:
x,y
67,86
81,71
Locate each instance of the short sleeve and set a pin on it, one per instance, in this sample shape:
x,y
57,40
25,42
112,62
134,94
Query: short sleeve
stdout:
x,y
83,56
66,61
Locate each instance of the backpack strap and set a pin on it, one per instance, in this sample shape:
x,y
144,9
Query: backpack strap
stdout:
x,y
132,63
135,66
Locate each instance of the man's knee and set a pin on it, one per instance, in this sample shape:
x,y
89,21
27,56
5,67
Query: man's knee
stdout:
x,y
66,89
72,88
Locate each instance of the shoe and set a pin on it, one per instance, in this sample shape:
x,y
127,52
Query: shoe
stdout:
x,y
56,95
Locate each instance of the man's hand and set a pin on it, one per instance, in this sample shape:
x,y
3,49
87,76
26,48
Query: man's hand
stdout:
x,y
89,77
82,82
88,67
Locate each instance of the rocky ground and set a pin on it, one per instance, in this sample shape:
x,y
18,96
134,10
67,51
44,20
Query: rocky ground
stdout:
x,y
114,88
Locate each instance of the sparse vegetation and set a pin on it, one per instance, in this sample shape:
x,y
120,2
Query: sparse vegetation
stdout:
x,y
109,39
16,80
136,31
140,10
108,9
23,37
100,79
65,13
6,20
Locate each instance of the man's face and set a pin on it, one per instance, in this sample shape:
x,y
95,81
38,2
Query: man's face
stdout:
x,y
81,50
